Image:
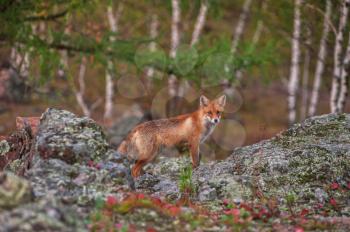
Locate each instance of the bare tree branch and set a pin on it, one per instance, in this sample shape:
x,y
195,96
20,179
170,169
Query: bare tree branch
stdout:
x,y
79,94
47,17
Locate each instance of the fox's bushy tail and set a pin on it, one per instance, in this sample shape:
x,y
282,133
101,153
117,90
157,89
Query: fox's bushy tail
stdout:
x,y
123,148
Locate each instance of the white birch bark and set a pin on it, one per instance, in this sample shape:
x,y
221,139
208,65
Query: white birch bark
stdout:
x,y
338,56
198,27
240,25
260,26
305,90
257,33
320,60
295,63
175,40
238,32
79,94
113,24
344,80
152,47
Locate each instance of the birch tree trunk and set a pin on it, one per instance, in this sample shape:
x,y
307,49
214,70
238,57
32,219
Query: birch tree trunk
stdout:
x,y
294,69
338,56
320,60
198,27
240,26
152,47
344,80
80,91
113,24
305,91
175,40
260,26
79,94
237,35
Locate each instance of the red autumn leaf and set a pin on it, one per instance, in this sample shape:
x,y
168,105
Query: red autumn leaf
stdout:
x,y
98,166
156,201
298,229
91,163
225,202
174,210
246,207
333,202
111,201
236,212
334,186
348,185
150,229
141,196
263,213
304,212
227,211
132,228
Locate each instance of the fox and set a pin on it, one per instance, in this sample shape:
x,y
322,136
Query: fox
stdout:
x,y
144,141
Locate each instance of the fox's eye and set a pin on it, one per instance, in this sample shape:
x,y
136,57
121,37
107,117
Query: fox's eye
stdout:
x,y
218,112
209,113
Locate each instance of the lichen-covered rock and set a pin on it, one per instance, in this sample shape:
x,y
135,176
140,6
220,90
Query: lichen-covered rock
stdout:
x,y
161,178
79,184
14,191
4,147
71,165
45,215
65,136
303,160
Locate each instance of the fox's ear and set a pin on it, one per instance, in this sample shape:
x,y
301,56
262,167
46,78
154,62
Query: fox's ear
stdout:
x,y
221,100
203,101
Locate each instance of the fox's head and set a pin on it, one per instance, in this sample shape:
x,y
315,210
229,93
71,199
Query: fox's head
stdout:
x,y
212,110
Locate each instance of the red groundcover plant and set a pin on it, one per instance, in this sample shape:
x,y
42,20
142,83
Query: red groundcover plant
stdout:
x,y
233,216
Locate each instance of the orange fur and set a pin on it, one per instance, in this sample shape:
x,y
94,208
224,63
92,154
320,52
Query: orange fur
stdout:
x,y
144,141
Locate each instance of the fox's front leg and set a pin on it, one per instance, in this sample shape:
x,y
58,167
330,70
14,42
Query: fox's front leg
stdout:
x,y
194,150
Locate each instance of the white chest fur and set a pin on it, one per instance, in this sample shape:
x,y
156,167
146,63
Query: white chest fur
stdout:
x,y
208,129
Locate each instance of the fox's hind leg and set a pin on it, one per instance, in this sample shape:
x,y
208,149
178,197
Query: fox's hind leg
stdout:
x,y
136,169
145,158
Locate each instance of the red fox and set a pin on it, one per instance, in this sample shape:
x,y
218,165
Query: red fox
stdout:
x,y
144,140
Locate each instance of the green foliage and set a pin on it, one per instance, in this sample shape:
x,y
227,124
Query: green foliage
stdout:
x,y
291,198
210,61
185,180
